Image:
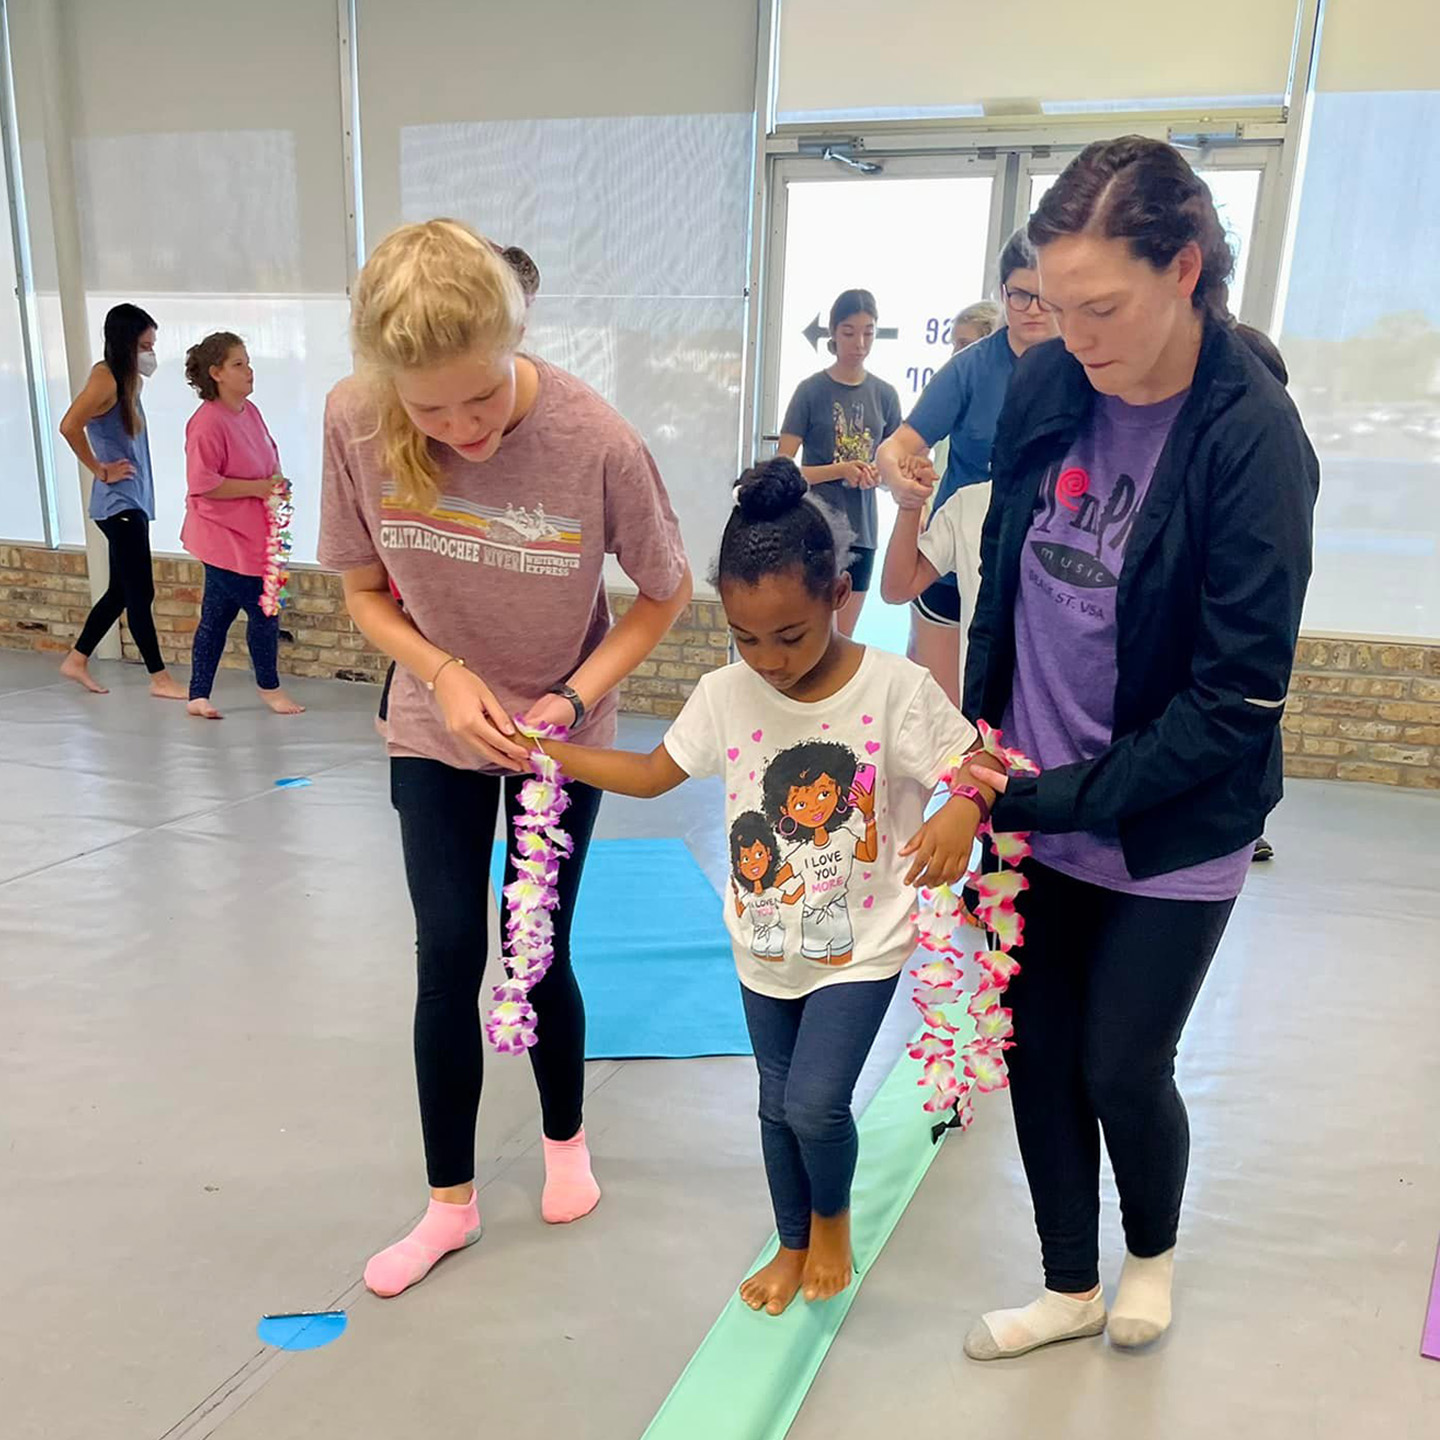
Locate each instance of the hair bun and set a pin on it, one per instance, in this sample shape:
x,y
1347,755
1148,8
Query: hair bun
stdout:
x,y
768,491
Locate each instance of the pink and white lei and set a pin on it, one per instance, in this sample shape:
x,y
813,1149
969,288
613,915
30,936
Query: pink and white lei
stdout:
x,y
274,585
958,971
532,897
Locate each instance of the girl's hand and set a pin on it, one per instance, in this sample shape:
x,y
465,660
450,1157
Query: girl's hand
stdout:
x,y
551,710
913,482
282,487
474,715
113,471
942,845
852,472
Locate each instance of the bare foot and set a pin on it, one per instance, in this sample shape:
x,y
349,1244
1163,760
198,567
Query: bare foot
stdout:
x,y
165,686
827,1266
76,667
773,1287
204,709
281,703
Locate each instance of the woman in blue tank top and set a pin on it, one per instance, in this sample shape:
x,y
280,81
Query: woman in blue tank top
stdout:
x,y
105,427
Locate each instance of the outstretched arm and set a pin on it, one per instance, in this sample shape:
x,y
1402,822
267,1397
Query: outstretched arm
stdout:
x,y
621,772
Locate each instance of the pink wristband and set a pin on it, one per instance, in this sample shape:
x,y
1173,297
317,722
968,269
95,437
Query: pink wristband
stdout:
x,y
969,792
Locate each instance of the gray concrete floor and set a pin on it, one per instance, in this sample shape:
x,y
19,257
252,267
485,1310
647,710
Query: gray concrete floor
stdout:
x,y
206,1114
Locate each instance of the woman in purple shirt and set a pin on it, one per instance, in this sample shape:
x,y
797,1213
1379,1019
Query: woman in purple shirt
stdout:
x,y
1144,562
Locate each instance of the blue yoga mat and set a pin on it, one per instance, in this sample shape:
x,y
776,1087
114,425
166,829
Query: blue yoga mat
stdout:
x,y
652,955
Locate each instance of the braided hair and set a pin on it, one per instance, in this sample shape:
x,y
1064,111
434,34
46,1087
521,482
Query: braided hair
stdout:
x,y
776,526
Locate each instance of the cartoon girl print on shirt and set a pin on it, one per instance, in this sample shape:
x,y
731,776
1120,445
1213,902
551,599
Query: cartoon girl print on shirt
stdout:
x,y
809,794
757,878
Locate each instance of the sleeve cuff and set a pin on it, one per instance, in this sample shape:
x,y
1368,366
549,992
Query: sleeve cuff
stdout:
x,y
1019,807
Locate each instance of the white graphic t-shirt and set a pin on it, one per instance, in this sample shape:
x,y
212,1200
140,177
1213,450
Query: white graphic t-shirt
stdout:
x,y
821,799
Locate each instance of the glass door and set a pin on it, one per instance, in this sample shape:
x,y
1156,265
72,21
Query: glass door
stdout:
x,y
918,234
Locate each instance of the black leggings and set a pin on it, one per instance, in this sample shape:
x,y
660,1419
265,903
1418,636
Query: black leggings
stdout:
x,y
1106,985
131,589
447,828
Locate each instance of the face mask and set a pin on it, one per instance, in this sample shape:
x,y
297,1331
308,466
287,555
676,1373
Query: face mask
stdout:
x,y
146,363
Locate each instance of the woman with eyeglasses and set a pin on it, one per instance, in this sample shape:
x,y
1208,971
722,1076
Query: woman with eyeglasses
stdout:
x,y
939,571
1144,565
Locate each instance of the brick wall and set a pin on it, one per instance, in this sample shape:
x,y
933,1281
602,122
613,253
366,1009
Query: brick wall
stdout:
x,y
1364,710
45,596
1358,709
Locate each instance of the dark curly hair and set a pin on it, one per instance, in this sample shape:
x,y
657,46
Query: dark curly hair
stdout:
x,y
213,350
777,526
1144,192
751,828
804,764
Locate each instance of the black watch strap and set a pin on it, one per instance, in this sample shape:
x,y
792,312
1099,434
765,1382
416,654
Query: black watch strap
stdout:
x,y
567,692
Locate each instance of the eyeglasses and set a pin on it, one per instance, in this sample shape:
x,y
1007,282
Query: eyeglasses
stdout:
x,y
1019,301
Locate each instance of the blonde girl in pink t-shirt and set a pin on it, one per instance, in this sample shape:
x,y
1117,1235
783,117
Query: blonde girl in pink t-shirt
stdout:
x,y
231,466
491,486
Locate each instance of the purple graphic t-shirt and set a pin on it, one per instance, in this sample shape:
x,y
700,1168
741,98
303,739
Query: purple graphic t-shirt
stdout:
x,y
1062,709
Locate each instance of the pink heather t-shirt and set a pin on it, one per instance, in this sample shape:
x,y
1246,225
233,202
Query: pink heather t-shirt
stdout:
x,y
507,572
222,444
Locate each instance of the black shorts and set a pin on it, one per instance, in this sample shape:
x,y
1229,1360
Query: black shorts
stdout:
x,y
940,603
861,568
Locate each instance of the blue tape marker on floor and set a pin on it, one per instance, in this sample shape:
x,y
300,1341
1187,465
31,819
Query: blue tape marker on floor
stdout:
x,y
293,782
302,1332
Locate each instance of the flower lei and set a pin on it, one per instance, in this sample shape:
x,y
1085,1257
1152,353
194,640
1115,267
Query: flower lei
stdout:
x,y
980,1065
532,897
275,585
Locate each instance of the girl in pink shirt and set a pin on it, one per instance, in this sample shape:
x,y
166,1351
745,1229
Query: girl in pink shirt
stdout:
x,y
231,466
490,486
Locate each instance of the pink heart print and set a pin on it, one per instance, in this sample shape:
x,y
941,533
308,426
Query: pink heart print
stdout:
x,y
732,794
752,774
871,747
824,726
869,901
867,719
758,736
867,874
733,753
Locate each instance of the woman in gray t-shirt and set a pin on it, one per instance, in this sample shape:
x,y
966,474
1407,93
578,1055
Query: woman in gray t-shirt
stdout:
x,y
839,416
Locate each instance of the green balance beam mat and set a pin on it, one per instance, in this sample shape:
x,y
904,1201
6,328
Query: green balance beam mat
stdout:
x,y
749,1378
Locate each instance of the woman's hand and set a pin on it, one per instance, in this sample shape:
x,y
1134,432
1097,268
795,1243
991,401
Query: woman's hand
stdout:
x,y
852,473
113,471
913,481
943,844
551,710
474,715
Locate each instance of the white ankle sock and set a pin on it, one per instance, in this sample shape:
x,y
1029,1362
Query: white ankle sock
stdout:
x,y
1000,1334
1142,1304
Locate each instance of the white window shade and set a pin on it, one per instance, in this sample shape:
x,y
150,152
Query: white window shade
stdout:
x,y
1361,332
209,184
1371,45
614,143
850,57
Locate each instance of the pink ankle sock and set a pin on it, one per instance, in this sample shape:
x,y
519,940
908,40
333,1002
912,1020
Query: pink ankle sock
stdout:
x,y
444,1228
570,1188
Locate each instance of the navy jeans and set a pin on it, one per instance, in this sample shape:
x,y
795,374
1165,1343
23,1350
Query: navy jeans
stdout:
x,y
226,595
810,1052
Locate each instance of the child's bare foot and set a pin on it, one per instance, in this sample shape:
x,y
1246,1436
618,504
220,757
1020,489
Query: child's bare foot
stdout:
x,y
76,667
827,1265
773,1286
204,709
281,703
164,686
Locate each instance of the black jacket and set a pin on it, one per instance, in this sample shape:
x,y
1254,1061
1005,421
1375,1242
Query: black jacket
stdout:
x,y
1207,610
